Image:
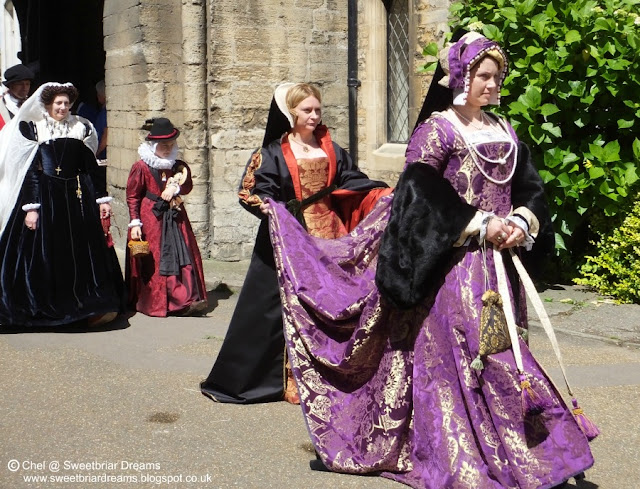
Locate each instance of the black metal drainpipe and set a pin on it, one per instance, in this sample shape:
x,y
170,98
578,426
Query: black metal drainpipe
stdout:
x,y
352,77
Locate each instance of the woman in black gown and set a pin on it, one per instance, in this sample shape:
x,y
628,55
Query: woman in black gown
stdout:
x,y
58,265
298,164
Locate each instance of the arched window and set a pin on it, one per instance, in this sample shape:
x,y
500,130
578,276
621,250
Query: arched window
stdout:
x,y
397,70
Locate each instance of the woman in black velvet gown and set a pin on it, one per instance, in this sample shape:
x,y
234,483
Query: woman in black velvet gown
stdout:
x,y
58,265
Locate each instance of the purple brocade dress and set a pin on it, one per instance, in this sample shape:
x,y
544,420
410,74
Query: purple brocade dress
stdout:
x,y
391,391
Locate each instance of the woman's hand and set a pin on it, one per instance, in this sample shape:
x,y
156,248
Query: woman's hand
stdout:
x,y
264,208
497,232
168,193
516,237
504,235
31,219
105,210
136,232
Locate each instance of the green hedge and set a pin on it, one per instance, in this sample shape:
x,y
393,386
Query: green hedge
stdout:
x,y
572,94
615,269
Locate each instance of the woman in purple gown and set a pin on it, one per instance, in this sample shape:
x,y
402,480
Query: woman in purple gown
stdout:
x,y
385,371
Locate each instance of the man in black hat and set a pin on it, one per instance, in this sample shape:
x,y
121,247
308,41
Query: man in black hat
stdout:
x,y
18,80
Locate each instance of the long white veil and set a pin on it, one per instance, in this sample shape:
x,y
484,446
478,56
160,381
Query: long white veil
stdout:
x,y
17,153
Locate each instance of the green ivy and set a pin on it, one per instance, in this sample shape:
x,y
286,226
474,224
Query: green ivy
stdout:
x,y
572,94
615,269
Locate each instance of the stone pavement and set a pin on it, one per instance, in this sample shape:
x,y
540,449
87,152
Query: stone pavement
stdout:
x,y
124,402
577,311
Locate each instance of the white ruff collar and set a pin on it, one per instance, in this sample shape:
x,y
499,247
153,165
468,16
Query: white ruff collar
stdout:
x,y
11,103
148,155
69,127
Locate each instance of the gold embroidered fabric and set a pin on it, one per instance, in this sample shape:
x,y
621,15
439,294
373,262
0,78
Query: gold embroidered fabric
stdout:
x,y
249,181
494,335
321,220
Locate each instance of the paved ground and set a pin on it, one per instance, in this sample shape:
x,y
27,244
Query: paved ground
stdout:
x,y
125,402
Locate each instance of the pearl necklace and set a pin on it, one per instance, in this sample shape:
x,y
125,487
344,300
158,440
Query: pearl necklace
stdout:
x,y
502,159
471,123
476,156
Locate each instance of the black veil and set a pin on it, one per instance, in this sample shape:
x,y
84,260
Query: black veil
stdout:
x,y
277,124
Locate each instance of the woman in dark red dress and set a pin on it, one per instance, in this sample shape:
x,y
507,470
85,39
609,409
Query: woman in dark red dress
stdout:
x,y
170,279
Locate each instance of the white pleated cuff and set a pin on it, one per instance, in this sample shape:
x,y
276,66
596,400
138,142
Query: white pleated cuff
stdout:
x,y
524,225
30,207
483,227
135,222
104,200
533,225
473,228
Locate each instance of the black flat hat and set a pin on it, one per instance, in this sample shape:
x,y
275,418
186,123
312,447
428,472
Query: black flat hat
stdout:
x,y
162,130
17,73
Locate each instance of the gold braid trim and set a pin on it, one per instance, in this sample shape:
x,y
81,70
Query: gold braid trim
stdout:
x,y
249,180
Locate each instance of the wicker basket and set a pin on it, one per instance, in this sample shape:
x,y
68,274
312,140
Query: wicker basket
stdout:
x,y
138,248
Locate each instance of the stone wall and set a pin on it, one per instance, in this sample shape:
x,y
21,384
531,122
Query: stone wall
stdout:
x,y
156,66
254,46
431,24
211,67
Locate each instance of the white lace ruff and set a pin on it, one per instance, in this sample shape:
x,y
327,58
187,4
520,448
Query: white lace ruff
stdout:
x,y
148,155
70,127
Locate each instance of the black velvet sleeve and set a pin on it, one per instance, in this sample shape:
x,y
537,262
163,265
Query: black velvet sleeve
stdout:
x,y
97,173
528,191
31,183
98,177
427,218
349,176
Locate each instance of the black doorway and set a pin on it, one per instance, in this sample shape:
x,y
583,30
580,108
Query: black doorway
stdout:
x,y
62,40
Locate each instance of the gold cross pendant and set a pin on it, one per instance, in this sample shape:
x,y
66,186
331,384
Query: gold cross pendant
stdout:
x,y
58,170
79,191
